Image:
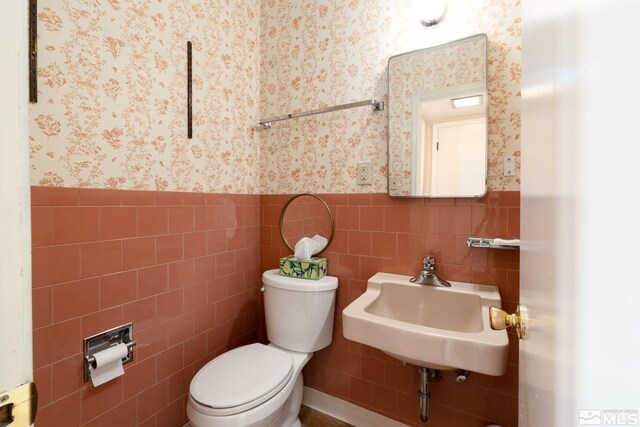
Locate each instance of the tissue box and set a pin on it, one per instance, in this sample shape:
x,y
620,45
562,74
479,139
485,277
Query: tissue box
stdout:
x,y
313,269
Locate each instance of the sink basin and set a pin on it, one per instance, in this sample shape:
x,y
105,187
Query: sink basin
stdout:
x,y
440,328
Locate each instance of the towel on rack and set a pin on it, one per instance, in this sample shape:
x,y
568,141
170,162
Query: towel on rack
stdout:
x,y
505,242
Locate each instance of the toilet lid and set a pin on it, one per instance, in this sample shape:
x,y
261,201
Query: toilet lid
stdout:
x,y
242,378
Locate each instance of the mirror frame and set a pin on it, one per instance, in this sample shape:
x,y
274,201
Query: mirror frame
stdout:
x,y
284,210
486,175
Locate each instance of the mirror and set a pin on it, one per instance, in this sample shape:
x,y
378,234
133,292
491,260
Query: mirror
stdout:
x,y
438,120
305,215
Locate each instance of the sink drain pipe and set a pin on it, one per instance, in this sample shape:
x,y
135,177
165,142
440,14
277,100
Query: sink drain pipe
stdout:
x,y
424,395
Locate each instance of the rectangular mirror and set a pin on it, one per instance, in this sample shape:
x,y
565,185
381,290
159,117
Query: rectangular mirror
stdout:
x,y
438,120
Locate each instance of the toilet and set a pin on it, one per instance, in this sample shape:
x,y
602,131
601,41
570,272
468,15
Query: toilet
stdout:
x,y
261,385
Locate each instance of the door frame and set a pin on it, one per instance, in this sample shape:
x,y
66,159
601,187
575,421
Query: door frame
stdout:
x,y
16,365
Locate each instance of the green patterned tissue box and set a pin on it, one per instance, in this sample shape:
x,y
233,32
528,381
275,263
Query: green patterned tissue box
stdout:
x,y
312,269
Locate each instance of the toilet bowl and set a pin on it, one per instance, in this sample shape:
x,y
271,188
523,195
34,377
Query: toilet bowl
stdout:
x,y
261,385
225,394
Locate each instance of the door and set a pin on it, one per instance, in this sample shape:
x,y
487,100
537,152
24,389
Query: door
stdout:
x,y
459,157
15,250
580,210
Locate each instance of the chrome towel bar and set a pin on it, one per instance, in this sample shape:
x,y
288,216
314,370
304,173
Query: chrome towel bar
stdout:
x,y
377,104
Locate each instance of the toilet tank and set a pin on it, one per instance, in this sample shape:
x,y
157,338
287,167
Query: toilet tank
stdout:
x,y
299,313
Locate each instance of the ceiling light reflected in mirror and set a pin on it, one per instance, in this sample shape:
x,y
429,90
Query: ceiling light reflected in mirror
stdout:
x,y
467,101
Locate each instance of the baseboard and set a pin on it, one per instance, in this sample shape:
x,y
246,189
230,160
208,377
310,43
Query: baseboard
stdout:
x,y
345,411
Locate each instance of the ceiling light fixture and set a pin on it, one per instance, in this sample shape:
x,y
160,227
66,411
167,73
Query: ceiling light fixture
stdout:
x,y
432,12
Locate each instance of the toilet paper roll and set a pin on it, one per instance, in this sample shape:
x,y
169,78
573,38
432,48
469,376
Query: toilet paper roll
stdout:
x,y
108,364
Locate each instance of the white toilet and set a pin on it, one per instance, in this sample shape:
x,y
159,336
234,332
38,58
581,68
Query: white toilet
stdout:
x,y
259,385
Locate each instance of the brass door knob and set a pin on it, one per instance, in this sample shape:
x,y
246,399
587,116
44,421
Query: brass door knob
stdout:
x,y
500,319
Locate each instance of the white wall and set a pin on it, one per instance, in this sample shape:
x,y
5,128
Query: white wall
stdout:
x,y
580,208
15,227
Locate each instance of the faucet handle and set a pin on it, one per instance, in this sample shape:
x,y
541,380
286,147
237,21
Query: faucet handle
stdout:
x,y
428,263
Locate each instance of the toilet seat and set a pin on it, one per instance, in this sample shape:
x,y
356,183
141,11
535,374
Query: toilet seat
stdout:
x,y
241,379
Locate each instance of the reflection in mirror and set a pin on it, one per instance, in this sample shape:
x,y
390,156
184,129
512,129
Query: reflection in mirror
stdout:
x,y
306,215
438,120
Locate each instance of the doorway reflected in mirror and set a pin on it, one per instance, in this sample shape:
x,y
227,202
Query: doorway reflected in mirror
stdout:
x,y
438,121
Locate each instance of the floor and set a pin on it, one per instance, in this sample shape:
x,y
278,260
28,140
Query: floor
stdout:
x,y
312,418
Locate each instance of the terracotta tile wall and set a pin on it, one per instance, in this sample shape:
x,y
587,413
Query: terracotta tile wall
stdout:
x,y
377,233
183,267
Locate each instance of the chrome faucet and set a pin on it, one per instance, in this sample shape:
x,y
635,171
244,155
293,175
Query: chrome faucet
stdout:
x,y
428,276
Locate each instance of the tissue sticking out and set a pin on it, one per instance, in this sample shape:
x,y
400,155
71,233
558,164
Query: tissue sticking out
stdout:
x,y
308,247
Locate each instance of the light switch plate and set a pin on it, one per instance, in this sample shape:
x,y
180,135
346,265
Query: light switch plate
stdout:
x,y
393,182
509,166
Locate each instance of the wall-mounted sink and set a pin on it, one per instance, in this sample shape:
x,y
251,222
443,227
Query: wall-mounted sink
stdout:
x,y
440,328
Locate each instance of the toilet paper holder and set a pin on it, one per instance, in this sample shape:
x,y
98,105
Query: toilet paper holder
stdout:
x,y
102,341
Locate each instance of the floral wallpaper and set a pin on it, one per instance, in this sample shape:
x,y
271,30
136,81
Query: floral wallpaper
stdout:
x,y
112,91
448,67
317,53
112,95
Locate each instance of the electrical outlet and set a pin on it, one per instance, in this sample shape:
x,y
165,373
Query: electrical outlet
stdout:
x,y
364,173
509,166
